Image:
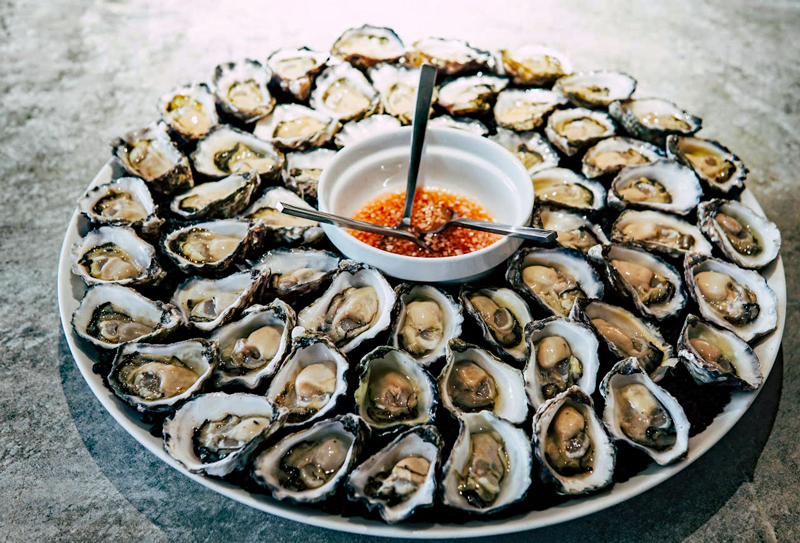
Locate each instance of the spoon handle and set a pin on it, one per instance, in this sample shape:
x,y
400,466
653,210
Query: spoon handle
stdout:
x,y
321,216
524,232
427,80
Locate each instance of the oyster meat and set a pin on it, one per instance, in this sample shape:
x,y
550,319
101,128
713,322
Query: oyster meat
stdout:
x,y
125,201
294,70
303,170
529,147
217,199
717,168
295,128
534,65
653,119
189,111
451,57
662,185
571,130
115,254
573,229
225,151
210,247
296,272
368,45
279,227
659,232
241,90
398,90
470,95
502,315
561,187
522,110
609,156
595,89
344,94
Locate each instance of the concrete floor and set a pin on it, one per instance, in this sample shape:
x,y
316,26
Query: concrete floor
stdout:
x,y
77,73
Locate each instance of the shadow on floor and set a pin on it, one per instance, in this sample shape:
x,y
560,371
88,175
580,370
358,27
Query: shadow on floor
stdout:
x,y
187,511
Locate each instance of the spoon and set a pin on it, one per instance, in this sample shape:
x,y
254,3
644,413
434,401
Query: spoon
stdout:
x,y
524,232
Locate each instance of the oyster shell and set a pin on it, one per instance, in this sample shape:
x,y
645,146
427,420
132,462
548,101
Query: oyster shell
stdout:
x,y
662,185
397,87
643,414
110,316
462,123
216,433
745,237
626,335
571,130
209,248
653,119
401,477
303,170
294,70
521,110
311,381
502,316
149,153
574,230
217,199
451,57
529,147
207,304
241,90
717,168
252,348
609,156
424,319
489,466
473,380
225,151
125,201
309,465
732,297
343,93
534,65
470,95
560,187
189,111
572,444
356,306
660,233
297,272
115,254
563,353
715,355
157,378
393,390
595,89
368,45
281,228
553,278
365,128
296,127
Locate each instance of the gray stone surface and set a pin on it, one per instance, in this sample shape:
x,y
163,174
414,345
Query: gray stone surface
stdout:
x,y
76,73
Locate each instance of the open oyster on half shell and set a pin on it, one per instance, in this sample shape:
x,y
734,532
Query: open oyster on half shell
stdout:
x,y
530,148
294,127
217,199
343,93
451,57
574,230
297,272
368,45
470,95
534,65
226,150
717,168
595,89
397,86
525,109
662,233
189,111
303,170
241,90
281,228
662,185
125,201
653,119
609,156
365,128
502,315
561,187
115,254
571,130
294,70
467,124
210,248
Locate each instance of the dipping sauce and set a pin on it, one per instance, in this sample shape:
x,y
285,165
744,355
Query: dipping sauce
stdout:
x,y
430,211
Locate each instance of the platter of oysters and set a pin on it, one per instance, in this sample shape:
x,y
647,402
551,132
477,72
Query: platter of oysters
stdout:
x,y
236,344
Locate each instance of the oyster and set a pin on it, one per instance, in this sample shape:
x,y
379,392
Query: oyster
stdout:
x,y
294,70
189,111
470,95
365,128
149,153
296,272
659,232
393,390
296,127
745,237
115,254
156,378
560,187
308,466
241,90
225,151
609,156
311,381
571,130
207,304
424,319
125,201
210,247
473,380
626,335
282,228
732,297
652,285
451,57
252,348
368,45
398,90
110,316
717,168
595,89
574,230
343,93
216,433
217,199
355,308
303,170
502,316
525,109
534,65
572,444
563,354
553,278
715,355
462,123
529,147
489,466
643,414
653,119
401,477
662,185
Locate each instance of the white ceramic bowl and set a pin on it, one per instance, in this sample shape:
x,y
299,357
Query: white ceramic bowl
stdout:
x,y
454,160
